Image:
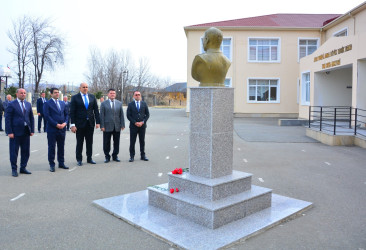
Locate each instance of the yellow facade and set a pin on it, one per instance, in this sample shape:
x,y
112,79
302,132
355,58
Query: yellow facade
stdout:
x,y
288,69
337,69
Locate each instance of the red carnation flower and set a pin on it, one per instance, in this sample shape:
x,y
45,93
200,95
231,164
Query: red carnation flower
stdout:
x,y
176,190
180,171
172,190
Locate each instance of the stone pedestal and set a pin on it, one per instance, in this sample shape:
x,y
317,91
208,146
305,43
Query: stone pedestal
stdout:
x,y
215,205
211,132
211,194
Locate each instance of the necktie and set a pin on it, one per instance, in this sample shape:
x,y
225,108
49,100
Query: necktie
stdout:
x,y
58,105
86,101
113,107
23,107
138,106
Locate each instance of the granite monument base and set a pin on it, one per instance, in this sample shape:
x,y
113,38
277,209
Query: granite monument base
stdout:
x,y
178,231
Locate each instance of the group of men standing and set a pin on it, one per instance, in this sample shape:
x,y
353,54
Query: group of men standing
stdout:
x,y
84,115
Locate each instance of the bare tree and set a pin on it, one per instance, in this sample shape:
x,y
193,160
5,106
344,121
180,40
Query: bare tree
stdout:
x,y
143,75
48,48
21,38
112,71
95,75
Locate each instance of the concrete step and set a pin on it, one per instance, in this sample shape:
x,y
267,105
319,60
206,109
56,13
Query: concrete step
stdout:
x,y
211,214
211,189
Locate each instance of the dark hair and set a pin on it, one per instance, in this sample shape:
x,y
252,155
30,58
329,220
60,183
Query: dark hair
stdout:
x,y
53,89
136,91
111,90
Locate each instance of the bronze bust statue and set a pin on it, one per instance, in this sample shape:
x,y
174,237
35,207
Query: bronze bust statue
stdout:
x,y
210,68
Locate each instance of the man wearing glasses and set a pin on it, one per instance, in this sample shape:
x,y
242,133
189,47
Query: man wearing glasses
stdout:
x,y
137,114
84,116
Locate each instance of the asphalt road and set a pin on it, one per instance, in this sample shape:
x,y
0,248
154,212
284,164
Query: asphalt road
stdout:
x,y
54,210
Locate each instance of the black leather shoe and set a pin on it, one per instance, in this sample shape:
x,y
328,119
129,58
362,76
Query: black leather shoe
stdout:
x,y
91,162
14,173
52,169
117,159
144,158
63,166
24,171
107,160
80,163
131,159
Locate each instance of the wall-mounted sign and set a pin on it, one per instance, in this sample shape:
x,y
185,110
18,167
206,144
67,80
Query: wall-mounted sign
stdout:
x,y
333,53
331,64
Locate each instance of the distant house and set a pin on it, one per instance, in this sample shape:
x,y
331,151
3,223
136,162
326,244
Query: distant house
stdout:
x,y
177,93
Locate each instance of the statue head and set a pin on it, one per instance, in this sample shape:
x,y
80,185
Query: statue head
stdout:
x,y
212,39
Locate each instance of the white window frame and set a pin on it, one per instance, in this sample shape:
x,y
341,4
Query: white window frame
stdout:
x,y
225,37
265,38
264,78
298,45
230,80
337,33
304,87
298,90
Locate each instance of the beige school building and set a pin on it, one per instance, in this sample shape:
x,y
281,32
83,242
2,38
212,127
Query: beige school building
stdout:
x,y
282,64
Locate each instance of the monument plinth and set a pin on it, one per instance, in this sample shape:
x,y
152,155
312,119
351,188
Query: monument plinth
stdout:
x,y
211,131
211,193
215,205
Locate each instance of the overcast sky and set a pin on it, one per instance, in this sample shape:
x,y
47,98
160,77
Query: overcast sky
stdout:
x,y
147,28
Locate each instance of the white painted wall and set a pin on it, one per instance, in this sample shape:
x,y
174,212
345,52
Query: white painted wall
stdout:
x,y
331,89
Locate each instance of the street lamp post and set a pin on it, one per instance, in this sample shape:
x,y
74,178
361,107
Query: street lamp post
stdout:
x,y
124,79
6,73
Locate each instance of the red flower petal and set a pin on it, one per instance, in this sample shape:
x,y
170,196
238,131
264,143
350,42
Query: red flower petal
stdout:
x,y
176,190
172,190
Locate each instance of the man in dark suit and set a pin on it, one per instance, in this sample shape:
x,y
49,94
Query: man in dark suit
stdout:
x,y
5,104
7,101
2,109
84,115
56,115
67,107
19,126
137,114
111,123
40,103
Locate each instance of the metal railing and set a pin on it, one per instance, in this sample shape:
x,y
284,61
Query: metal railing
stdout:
x,y
338,120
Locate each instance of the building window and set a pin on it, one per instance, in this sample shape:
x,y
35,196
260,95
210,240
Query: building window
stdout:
x,y
225,47
342,32
264,50
263,90
307,47
305,89
228,82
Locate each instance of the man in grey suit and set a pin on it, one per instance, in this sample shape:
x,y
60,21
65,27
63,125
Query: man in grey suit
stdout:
x,y
111,123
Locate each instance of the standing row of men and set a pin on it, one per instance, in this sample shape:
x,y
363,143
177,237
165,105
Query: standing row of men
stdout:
x,y
84,114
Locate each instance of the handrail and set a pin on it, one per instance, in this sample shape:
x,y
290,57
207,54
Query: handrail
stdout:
x,y
338,120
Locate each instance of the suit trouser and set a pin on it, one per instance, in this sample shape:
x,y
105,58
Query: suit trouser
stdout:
x,y
22,142
40,117
84,133
1,122
133,134
68,123
107,143
58,138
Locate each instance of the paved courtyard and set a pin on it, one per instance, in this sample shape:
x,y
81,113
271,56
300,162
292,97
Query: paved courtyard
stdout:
x,y
54,210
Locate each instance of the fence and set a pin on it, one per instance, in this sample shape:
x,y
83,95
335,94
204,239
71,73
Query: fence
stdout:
x,y
338,120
